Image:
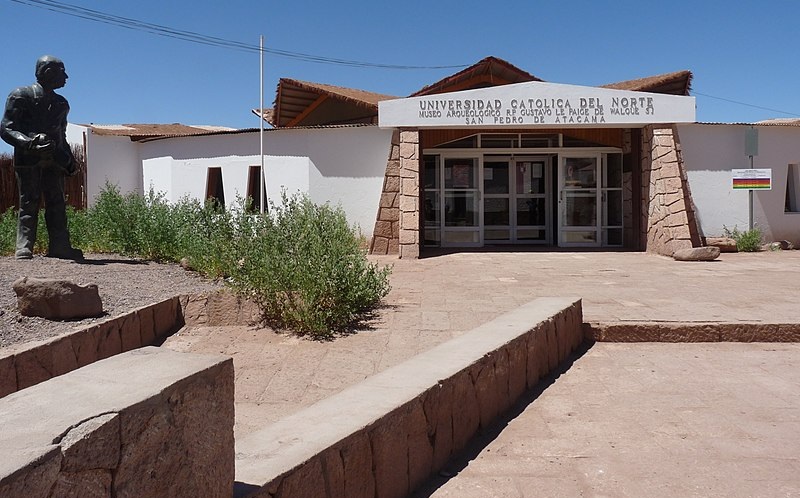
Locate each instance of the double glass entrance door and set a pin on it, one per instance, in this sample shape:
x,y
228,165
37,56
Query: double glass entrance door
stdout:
x,y
558,199
515,193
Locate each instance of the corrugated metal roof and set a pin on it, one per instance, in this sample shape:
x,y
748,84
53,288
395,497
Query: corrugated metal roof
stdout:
x,y
779,122
256,130
770,122
139,131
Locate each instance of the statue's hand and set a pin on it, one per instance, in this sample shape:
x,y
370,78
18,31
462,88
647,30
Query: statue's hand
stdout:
x,y
41,143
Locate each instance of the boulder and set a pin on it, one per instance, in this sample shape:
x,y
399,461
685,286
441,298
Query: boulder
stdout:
x,y
725,244
707,253
57,299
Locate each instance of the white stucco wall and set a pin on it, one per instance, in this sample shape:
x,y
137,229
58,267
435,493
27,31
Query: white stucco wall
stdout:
x,y
711,151
108,158
179,178
343,166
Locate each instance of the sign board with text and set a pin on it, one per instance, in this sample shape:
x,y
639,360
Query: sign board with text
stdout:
x,y
536,104
752,179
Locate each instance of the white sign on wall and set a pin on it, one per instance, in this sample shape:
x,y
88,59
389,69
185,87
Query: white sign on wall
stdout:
x,y
536,104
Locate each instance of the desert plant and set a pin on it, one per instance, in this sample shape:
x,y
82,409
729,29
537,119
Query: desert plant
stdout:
x,y
76,221
8,231
304,267
302,263
747,241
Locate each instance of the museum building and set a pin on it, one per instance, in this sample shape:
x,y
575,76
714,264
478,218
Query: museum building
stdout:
x,y
490,156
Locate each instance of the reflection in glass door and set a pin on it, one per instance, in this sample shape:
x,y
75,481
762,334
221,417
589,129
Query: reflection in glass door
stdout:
x,y
579,201
461,203
496,200
515,200
530,200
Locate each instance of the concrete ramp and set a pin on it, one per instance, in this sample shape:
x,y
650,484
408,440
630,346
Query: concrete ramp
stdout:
x,y
386,435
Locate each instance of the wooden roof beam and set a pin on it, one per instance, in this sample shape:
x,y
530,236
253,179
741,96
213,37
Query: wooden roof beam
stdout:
x,y
300,117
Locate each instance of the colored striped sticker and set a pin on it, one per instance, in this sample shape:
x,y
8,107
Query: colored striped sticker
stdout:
x,y
752,179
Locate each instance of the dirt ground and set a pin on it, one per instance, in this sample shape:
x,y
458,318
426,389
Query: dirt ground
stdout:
x,y
123,283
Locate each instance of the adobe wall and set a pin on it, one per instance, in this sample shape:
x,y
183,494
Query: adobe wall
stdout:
x,y
668,219
148,423
388,434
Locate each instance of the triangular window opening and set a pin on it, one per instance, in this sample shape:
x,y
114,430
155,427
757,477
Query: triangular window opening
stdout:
x,y
793,189
215,191
253,189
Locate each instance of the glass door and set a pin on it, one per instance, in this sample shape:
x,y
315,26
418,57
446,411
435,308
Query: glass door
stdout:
x,y
579,201
497,223
461,203
515,207
530,200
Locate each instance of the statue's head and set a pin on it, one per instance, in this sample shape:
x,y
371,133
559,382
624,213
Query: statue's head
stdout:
x,y
50,72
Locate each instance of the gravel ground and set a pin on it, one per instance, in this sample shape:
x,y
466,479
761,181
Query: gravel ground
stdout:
x,y
123,283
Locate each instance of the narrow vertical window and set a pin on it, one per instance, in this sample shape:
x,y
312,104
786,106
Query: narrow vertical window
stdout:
x,y
253,188
214,188
793,189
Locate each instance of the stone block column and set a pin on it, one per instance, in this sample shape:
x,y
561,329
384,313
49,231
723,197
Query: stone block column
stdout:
x,y
669,223
409,194
386,233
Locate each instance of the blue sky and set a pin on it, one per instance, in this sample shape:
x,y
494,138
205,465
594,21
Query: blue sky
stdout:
x,y
738,51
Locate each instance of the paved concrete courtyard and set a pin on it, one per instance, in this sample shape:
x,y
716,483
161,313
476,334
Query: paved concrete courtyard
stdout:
x,y
712,419
648,420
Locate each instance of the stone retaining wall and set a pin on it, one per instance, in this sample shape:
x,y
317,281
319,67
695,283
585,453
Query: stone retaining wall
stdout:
x,y
386,435
148,423
692,332
31,363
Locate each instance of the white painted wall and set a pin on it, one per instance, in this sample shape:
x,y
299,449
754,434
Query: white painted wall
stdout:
x,y
112,159
711,151
180,178
343,166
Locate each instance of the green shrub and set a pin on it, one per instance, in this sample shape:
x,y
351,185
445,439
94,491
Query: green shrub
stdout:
x,y
747,241
205,236
302,264
134,225
305,268
8,231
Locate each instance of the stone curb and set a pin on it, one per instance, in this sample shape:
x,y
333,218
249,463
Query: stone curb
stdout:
x,y
147,423
386,435
36,362
692,332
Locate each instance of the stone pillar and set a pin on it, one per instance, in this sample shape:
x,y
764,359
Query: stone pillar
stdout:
x,y
668,219
386,234
409,194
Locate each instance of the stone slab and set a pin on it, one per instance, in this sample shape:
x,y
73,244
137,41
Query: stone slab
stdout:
x,y
172,410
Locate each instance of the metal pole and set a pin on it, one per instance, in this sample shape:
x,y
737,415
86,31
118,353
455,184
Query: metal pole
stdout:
x,y
263,175
750,199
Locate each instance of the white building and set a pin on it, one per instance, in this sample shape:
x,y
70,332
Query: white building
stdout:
x,y
490,155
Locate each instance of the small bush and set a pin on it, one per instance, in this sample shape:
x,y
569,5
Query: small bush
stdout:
x,y
8,231
747,241
304,267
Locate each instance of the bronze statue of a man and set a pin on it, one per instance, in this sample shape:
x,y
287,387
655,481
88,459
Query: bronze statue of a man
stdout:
x,y
35,124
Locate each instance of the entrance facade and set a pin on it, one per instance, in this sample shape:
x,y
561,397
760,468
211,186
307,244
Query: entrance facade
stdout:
x,y
505,189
